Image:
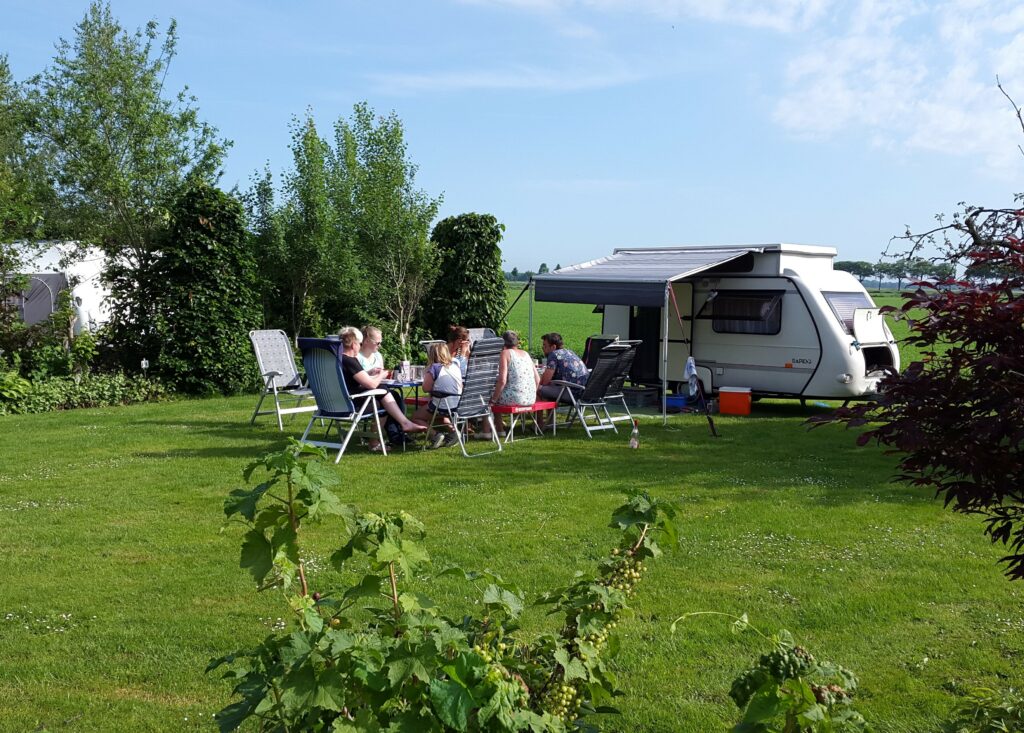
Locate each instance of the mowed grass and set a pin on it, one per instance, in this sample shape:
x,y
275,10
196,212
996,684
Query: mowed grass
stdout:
x,y
119,584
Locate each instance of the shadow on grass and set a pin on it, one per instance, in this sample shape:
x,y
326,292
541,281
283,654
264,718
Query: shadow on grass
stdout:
x,y
772,450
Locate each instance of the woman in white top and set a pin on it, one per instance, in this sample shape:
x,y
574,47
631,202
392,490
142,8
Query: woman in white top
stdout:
x,y
442,375
369,351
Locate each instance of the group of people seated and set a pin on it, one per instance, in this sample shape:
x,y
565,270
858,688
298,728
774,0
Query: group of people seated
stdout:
x,y
520,382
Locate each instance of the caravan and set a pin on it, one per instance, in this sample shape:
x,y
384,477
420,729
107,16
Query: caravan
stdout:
x,y
776,318
63,266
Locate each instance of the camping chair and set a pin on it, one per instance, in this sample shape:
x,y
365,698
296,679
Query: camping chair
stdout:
x,y
477,388
320,357
280,377
594,345
592,395
476,334
427,343
615,392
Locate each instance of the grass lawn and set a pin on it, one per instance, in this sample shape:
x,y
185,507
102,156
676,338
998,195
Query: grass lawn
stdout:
x,y
119,585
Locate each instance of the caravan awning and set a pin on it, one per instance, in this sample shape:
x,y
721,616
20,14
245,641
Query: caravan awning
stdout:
x,y
630,276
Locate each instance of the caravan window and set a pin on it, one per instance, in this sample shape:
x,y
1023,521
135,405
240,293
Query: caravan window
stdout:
x,y
747,311
844,304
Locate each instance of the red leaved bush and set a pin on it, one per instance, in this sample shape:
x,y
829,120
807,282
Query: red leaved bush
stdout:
x,y
956,417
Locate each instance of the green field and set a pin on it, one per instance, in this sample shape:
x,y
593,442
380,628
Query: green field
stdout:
x,y
119,584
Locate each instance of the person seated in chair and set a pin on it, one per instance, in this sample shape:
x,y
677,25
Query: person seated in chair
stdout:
x,y
458,344
561,364
517,378
442,375
358,380
369,353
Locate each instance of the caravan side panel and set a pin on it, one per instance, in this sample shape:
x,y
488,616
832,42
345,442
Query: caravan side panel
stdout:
x,y
780,361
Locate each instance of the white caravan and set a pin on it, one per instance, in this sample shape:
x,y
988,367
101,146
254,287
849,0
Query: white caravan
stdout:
x,y
775,318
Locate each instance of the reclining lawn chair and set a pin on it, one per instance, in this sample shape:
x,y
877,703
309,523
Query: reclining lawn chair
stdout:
x,y
478,334
280,377
333,401
615,393
594,345
477,388
593,395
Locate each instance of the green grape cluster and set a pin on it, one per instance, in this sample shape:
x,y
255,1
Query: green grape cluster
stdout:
x,y
625,574
599,638
744,686
563,701
784,664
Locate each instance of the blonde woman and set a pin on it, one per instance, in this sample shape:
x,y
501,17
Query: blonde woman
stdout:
x,y
443,376
369,353
359,380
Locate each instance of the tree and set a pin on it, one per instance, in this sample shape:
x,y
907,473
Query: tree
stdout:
x,y
895,270
390,217
207,302
470,286
307,257
515,273
955,417
22,193
858,269
879,270
118,150
543,268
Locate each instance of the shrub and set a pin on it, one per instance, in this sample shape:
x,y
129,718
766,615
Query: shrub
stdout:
x,y
12,387
990,711
954,418
374,655
91,390
470,289
206,303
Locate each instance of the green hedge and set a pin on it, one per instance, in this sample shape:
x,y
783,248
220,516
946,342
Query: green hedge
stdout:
x,y
92,390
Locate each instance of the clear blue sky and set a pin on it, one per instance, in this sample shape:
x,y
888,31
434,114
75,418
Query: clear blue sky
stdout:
x,y
585,125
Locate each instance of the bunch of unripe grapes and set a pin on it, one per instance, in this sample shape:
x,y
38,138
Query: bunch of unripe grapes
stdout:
x,y
625,575
784,664
599,638
487,653
563,701
780,665
744,686
496,671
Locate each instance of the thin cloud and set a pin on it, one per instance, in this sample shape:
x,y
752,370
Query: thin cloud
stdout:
x,y
519,78
570,186
914,76
779,15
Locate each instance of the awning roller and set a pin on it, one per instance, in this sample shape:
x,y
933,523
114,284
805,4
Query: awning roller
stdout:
x,y
630,277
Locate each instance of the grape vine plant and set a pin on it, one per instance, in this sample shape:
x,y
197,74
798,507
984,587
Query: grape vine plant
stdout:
x,y
374,655
788,690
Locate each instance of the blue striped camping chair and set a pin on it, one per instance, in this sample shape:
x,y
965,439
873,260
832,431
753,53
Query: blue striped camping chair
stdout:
x,y
322,362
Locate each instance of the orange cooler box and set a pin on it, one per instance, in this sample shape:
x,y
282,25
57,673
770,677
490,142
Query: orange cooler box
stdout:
x,y
734,400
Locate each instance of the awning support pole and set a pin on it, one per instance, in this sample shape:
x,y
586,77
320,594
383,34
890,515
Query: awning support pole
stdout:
x,y
529,333
664,358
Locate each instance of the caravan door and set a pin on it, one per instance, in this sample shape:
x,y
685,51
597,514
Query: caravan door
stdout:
x,y
869,326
